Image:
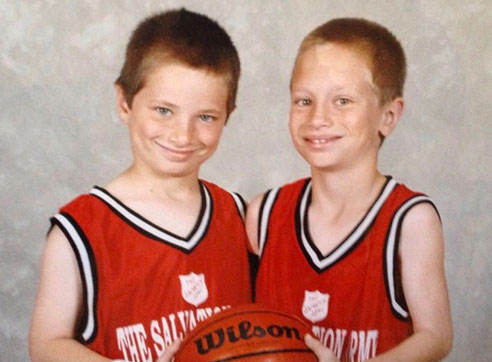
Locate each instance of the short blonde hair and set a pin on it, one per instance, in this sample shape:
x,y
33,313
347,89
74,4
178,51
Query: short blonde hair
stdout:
x,y
378,44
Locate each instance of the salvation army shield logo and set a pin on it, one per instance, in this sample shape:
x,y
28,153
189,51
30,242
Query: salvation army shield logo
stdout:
x,y
193,288
315,305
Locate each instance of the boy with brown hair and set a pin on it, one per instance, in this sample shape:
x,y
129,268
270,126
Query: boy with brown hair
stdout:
x,y
129,269
357,255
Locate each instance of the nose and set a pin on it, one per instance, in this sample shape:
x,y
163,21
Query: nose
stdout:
x,y
181,132
320,116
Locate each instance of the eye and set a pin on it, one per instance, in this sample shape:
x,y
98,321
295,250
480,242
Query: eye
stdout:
x,y
163,111
206,118
303,102
343,101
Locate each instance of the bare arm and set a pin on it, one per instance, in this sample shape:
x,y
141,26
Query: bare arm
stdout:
x,y
252,218
57,306
422,260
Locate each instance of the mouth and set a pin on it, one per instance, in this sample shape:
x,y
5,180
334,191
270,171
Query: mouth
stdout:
x,y
176,154
320,141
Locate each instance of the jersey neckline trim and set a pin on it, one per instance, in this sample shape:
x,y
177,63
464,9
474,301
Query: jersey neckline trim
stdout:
x,y
154,231
313,255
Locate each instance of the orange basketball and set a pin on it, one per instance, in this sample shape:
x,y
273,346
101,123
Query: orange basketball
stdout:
x,y
247,333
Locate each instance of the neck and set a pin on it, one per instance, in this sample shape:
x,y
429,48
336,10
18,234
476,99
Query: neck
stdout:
x,y
338,190
137,184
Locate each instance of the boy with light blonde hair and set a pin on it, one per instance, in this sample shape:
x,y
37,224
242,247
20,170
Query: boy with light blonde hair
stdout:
x,y
356,254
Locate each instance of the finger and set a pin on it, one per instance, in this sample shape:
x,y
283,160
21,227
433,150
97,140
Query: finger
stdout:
x,y
170,351
312,342
173,348
323,353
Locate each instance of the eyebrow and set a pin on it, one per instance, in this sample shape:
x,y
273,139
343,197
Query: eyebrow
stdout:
x,y
302,88
211,110
163,103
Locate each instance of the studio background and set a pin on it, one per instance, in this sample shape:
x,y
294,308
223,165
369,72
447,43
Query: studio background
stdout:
x,y
59,133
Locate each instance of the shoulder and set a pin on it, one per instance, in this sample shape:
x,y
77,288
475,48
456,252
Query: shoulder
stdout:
x,y
289,191
218,190
79,200
295,186
81,204
270,195
85,205
421,218
83,210
266,200
220,194
404,190
417,210
412,215
409,203
421,232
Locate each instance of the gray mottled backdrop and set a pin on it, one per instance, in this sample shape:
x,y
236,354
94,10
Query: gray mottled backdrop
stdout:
x,y
59,134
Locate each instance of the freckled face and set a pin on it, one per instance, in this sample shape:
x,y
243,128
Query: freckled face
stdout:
x,y
176,119
335,113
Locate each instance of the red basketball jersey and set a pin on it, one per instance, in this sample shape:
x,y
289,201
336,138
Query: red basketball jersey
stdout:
x,y
352,296
145,287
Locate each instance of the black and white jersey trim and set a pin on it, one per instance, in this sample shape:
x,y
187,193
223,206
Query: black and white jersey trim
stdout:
x,y
146,227
88,273
398,305
318,261
264,217
240,204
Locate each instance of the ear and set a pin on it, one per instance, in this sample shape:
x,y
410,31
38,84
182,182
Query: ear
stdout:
x,y
121,104
392,114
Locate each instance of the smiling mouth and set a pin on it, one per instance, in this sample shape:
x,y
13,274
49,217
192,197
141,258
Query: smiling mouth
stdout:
x,y
321,141
176,154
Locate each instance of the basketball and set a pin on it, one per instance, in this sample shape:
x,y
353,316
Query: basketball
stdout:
x,y
248,333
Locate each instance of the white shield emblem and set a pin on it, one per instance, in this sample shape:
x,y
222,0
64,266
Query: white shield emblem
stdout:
x,y
315,305
193,288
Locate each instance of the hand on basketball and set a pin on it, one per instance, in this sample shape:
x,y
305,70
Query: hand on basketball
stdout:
x,y
323,353
170,351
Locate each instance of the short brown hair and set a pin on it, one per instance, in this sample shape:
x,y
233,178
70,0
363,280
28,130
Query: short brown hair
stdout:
x,y
180,36
384,51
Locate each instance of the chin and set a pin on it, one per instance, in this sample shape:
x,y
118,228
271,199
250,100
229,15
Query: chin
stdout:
x,y
320,162
175,172
324,167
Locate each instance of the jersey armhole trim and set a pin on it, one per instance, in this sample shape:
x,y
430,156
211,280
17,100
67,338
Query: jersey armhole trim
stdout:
x,y
87,325
264,215
241,205
390,258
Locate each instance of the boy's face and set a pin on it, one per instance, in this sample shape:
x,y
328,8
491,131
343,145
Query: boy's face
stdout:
x,y
176,119
335,114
